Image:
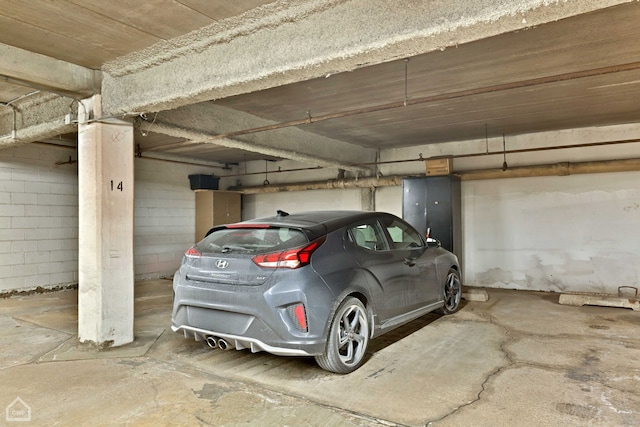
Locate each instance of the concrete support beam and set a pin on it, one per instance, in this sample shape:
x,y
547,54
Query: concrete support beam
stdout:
x,y
285,42
202,122
29,69
106,274
35,118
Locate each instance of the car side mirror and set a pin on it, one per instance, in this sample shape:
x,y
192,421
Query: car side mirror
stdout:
x,y
433,243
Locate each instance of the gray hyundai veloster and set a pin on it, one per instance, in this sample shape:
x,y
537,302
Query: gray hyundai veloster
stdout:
x,y
318,284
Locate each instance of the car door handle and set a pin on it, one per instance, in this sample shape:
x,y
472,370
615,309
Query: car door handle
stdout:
x,y
410,262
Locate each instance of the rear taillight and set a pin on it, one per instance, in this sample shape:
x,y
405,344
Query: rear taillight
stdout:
x,y
193,252
291,258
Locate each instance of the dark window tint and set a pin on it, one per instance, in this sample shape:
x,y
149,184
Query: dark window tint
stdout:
x,y
251,240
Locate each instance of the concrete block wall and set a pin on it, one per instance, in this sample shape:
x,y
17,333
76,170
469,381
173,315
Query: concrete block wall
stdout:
x,y
38,218
583,225
164,224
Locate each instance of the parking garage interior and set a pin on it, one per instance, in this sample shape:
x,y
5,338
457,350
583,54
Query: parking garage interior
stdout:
x,y
107,109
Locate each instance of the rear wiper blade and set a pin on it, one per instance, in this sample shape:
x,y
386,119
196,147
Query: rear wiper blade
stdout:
x,y
230,248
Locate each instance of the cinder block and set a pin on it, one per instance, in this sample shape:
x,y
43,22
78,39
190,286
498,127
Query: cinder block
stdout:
x,y
63,255
8,283
12,258
12,186
22,245
23,270
65,189
36,211
37,187
35,280
24,174
51,222
63,211
57,200
49,245
21,222
37,257
37,234
69,244
50,267
10,234
63,278
24,199
12,210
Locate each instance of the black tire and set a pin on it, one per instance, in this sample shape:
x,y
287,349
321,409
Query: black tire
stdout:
x,y
348,338
452,290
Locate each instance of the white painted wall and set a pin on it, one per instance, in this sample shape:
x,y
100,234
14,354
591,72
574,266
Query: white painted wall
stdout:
x,y
569,233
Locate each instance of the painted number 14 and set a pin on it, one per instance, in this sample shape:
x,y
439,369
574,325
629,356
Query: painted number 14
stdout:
x,y
118,186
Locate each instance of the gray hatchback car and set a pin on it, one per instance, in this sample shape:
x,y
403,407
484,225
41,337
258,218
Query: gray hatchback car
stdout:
x,y
318,284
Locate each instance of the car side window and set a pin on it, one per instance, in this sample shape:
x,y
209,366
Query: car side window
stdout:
x,y
368,236
403,236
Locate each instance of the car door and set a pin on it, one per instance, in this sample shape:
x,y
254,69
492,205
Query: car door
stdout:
x,y
386,270
421,287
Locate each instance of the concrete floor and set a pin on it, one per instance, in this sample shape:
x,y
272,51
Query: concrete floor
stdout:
x,y
520,359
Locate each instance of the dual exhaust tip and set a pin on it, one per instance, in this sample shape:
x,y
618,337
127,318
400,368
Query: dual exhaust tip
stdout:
x,y
215,342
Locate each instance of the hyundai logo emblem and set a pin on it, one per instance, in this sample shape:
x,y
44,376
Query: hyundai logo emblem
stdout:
x,y
222,263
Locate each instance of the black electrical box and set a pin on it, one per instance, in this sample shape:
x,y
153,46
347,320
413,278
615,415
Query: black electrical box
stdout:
x,y
203,182
434,203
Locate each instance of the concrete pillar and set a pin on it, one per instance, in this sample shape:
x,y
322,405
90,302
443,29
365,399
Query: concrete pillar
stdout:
x,y
105,186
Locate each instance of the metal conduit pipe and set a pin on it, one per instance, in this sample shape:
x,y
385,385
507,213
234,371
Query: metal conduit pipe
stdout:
x,y
332,184
558,169
454,156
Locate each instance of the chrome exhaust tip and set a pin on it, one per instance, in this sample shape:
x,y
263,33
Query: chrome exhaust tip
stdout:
x,y
211,342
223,345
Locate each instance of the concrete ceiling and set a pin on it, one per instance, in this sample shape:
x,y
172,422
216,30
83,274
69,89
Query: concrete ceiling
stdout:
x,y
291,80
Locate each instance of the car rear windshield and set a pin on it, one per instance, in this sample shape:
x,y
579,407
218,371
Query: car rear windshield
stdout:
x,y
251,240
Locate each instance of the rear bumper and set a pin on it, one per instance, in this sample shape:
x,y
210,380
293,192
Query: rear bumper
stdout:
x,y
252,317
240,342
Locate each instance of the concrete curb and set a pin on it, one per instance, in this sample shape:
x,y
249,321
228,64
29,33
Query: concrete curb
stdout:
x,y
602,300
475,295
